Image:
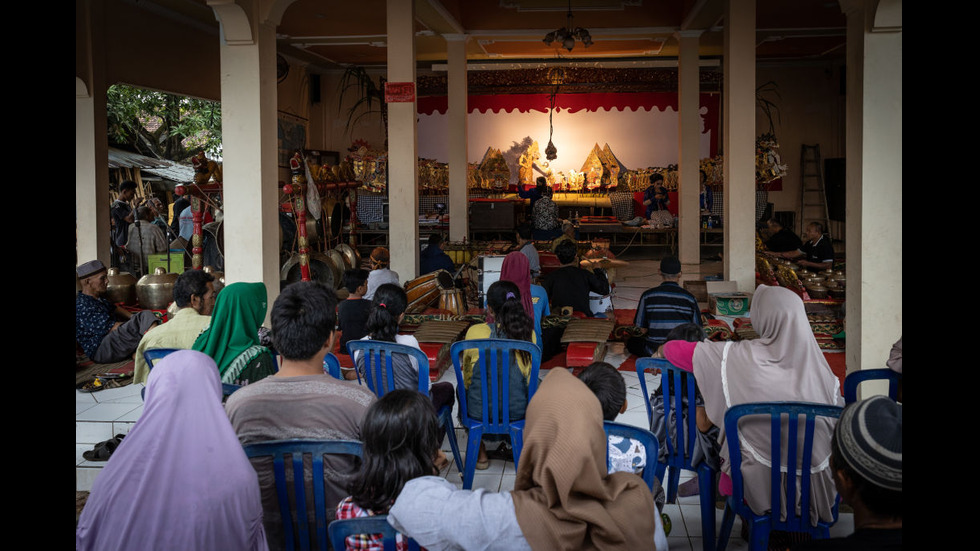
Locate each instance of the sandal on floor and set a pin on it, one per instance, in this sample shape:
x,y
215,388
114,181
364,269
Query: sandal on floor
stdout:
x,y
103,450
482,465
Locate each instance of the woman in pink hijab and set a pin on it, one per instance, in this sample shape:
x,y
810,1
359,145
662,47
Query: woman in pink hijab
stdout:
x,y
180,479
517,270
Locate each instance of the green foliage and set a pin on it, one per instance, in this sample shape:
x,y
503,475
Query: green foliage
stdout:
x,y
769,107
357,80
161,125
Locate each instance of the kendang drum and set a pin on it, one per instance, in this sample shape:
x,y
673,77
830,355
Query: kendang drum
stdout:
x,y
452,300
424,290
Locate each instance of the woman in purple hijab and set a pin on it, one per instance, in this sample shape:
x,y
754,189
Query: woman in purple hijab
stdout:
x,y
180,479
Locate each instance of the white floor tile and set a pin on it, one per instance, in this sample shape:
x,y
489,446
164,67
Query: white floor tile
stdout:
x,y
91,433
679,543
490,482
507,482
84,477
106,412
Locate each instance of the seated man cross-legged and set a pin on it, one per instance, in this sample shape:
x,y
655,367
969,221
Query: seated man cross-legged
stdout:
x,y
194,295
300,401
106,333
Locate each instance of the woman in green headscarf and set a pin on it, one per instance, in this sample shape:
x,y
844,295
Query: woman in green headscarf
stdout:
x,y
232,338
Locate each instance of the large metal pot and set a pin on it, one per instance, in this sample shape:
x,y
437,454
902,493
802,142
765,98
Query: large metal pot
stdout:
x,y
321,269
352,260
156,290
121,288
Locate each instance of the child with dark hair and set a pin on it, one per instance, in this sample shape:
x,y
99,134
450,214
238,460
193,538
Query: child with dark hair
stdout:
x,y
506,319
401,441
387,311
352,314
606,382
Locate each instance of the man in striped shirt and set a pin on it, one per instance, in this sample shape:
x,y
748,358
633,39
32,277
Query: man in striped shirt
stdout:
x,y
662,308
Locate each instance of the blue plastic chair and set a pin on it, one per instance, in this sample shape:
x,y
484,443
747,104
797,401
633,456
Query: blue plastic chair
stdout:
x,y
340,529
378,364
493,365
854,380
295,519
153,354
761,525
331,366
377,356
680,445
647,439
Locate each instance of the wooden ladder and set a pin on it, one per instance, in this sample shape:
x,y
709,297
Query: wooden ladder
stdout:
x,y
813,194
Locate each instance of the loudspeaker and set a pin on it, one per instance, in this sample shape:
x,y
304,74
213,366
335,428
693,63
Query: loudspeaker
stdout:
x,y
314,88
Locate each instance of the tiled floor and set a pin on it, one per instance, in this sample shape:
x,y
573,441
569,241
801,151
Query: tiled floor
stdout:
x,y
101,415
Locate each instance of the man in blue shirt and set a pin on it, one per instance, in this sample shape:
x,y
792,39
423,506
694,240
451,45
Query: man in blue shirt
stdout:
x,y
662,308
433,258
102,338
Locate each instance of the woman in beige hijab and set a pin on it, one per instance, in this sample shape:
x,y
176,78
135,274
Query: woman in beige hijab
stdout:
x,y
563,497
783,364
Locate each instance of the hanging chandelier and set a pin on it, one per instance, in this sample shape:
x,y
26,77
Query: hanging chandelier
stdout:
x,y
566,35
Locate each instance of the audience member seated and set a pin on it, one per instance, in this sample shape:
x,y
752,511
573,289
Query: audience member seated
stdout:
x,y
544,216
567,234
434,258
401,443
533,297
783,364
387,311
380,274
817,252
103,338
300,401
866,459
663,308
781,240
232,339
526,247
195,296
180,479
563,497
570,285
352,314
506,319
706,448
625,455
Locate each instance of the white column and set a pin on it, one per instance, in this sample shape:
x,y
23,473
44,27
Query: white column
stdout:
x,y
457,92
91,176
249,144
874,170
403,204
739,97
689,136
92,144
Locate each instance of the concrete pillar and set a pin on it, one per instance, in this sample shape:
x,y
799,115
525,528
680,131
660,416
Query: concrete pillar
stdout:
x,y
457,91
403,205
91,176
874,170
249,143
91,145
739,97
689,136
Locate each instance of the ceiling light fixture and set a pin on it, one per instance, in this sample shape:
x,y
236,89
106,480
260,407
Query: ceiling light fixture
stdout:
x,y
566,35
